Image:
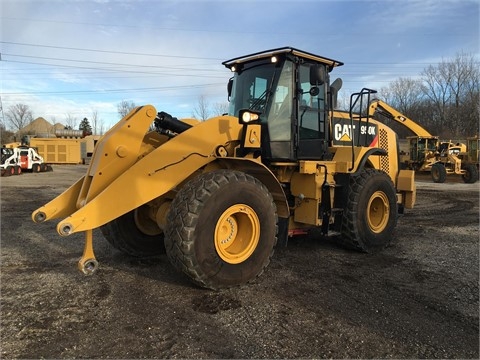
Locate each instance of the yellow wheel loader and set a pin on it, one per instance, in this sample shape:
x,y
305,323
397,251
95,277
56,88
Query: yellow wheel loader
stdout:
x,y
218,196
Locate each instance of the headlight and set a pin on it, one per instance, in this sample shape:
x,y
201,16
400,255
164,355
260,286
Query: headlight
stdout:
x,y
248,116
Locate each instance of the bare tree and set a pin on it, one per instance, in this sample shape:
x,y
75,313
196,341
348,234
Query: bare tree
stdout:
x,y
406,95
94,119
124,107
452,88
19,116
201,110
343,101
220,108
101,128
464,90
5,135
70,121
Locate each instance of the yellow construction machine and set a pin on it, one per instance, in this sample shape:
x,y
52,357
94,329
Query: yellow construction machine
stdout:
x,y
217,196
426,151
471,155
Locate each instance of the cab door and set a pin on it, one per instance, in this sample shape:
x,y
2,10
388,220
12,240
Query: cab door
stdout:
x,y
311,119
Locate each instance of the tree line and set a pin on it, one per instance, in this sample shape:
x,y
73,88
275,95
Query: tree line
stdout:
x,y
19,116
444,99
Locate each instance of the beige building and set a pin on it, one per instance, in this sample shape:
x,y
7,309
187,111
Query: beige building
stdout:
x,y
56,144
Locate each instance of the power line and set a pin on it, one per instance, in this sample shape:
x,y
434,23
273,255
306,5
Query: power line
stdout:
x,y
110,69
110,51
107,63
106,91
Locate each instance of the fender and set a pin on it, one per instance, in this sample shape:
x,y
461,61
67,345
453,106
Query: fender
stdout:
x,y
264,175
370,152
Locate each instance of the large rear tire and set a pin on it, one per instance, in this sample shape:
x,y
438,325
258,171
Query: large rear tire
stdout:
x,y
221,229
370,216
439,173
471,174
124,234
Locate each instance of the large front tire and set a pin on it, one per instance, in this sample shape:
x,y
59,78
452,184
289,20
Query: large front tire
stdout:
x,y
370,216
222,229
124,233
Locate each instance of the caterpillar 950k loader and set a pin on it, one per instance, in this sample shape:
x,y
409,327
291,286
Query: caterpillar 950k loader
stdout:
x,y
218,195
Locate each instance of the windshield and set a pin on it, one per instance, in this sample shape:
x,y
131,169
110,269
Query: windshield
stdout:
x,y
252,88
264,88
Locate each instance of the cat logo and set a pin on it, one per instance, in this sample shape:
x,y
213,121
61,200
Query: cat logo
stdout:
x,y
344,132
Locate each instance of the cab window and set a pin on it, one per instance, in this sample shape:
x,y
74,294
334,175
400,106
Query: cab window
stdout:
x,y
311,108
280,115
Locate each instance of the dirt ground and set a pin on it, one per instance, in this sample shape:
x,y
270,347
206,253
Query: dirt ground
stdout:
x,y
417,299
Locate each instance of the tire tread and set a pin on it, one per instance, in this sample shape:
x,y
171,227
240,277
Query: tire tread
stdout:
x,y
183,219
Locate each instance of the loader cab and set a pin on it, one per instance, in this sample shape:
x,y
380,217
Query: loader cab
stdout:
x,y
289,90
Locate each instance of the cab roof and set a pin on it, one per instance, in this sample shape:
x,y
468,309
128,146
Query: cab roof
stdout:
x,y
284,50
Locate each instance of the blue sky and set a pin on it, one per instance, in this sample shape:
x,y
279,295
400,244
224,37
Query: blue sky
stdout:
x,y
74,57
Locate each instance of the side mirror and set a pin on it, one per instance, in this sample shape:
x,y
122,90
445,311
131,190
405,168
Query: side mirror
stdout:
x,y
318,74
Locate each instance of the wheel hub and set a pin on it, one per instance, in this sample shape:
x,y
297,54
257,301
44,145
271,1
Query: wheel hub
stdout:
x,y
237,234
228,230
144,222
378,211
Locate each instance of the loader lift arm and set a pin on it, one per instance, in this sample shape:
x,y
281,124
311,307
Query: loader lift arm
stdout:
x,y
379,106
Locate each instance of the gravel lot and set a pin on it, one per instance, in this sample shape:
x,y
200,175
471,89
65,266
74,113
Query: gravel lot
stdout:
x,y
417,299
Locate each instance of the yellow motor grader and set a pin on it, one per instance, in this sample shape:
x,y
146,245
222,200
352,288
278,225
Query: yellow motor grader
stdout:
x,y
472,155
426,152
218,196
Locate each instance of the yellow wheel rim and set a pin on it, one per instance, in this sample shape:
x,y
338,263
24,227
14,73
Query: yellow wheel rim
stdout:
x,y
378,211
237,233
